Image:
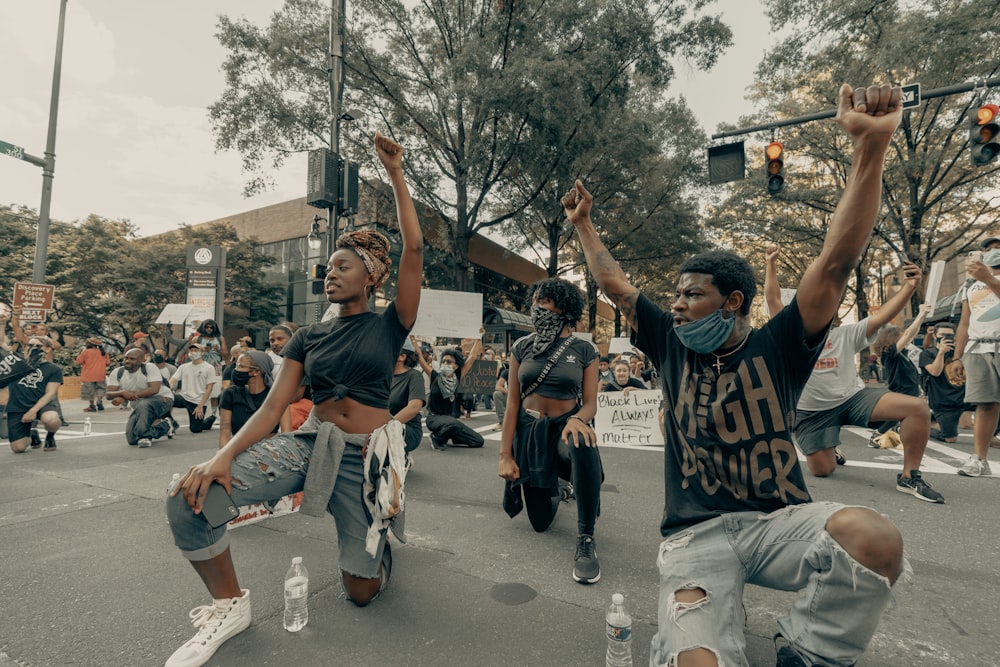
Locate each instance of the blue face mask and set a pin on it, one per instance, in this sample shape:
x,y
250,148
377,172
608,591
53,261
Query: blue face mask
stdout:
x,y
707,334
992,258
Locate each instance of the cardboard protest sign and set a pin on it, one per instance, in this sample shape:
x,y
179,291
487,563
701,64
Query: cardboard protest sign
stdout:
x,y
481,378
628,419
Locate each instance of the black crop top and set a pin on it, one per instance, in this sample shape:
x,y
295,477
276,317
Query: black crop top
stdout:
x,y
565,380
350,356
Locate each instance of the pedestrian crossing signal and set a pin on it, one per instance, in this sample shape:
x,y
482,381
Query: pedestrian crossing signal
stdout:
x,y
774,156
984,133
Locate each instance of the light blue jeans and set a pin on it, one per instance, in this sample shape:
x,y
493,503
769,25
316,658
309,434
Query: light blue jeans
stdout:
x,y
788,550
277,467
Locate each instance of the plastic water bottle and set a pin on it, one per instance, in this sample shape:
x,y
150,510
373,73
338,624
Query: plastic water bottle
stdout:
x,y
619,631
174,481
296,596
86,426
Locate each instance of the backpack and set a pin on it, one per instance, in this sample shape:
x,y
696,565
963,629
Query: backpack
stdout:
x,y
121,372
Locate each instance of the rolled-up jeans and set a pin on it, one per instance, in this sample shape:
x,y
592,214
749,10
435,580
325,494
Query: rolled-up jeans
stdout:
x,y
145,411
788,550
277,467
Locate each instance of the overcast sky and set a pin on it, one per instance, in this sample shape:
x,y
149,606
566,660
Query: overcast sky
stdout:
x,y
134,139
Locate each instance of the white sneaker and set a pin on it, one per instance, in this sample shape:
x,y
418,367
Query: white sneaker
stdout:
x,y
145,442
974,467
216,623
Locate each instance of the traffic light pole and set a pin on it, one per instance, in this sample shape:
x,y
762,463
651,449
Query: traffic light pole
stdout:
x,y
830,113
49,166
338,10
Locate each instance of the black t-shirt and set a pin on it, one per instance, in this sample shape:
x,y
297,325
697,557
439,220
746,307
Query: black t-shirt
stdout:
x,y
437,404
565,380
350,356
406,387
242,404
729,434
632,382
941,394
900,371
25,392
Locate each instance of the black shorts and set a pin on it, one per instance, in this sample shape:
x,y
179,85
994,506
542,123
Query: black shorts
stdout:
x,y
17,429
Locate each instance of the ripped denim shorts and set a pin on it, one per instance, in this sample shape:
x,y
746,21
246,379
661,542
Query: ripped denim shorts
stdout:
x,y
277,467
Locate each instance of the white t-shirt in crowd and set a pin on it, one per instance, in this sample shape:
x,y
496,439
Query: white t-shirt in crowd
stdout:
x,y
194,379
136,381
835,377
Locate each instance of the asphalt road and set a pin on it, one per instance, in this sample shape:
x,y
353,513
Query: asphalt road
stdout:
x,y
91,577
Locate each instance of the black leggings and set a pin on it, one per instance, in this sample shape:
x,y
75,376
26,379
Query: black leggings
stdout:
x,y
587,473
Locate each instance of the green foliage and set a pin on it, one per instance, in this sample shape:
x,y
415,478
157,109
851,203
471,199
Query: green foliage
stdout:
x,y
494,101
935,204
110,283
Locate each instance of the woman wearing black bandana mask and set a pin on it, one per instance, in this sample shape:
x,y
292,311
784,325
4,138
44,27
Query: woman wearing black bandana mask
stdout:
x,y
444,399
547,435
251,381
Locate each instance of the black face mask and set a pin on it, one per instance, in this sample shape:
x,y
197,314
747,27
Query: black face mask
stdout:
x,y
240,378
35,355
158,359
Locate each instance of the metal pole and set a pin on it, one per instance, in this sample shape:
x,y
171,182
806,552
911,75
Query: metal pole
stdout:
x,y
830,113
335,67
48,171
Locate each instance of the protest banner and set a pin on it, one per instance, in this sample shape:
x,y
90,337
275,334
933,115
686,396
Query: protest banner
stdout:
x,y
628,419
447,314
481,378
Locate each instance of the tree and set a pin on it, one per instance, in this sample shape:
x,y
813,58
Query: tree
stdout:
x,y
936,205
475,91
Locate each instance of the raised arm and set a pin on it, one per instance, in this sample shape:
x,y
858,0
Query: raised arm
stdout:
x,y
606,271
911,331
411,261
870,116
772,290
898,301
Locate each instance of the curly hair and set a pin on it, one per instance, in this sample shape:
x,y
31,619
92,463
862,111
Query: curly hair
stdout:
x,y
410,360
564,295
729,273
457,355
373,249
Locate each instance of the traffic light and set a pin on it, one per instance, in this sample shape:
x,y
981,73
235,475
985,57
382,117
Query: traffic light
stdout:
x,y
774,157
984,131
317,273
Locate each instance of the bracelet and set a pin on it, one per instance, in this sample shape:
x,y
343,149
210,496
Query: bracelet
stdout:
x,y
580,418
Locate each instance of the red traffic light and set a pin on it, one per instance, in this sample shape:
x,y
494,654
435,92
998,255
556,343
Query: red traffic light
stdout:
x,y
774,154
983,131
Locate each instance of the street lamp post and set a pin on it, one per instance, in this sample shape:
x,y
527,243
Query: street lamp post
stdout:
x,y
335,69
49,168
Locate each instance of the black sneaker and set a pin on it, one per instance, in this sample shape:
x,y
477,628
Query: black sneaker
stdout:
x,y
437,443
174,423
50,442
100,407
36,440
917,487
566,491
207,424
786,656
586,568
839,455
873,440
171,428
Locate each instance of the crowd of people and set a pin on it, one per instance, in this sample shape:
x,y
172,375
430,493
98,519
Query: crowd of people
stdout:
x,y
737,507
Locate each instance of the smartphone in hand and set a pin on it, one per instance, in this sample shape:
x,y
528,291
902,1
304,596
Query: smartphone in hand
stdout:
x,y
219,508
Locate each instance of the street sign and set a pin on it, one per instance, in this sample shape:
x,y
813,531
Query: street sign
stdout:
x,y
911,95
10,149
32,296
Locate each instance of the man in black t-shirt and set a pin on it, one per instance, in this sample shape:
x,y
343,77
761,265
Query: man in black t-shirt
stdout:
x,y
33,398
946,400
739,510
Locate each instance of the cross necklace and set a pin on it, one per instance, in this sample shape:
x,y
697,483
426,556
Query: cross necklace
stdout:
x,y
719,357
